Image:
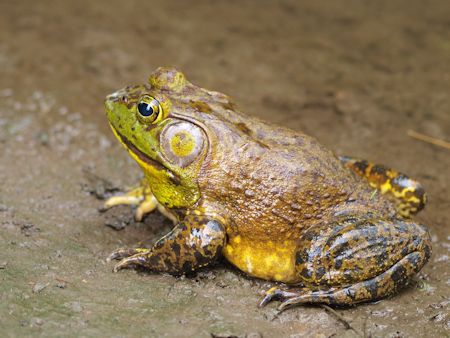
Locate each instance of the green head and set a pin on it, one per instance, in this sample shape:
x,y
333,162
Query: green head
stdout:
x,y
169,144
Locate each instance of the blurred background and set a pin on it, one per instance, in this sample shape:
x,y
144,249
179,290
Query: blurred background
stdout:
x,y
357,75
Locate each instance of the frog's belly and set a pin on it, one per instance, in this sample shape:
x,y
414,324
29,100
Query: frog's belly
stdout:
x,y
266,260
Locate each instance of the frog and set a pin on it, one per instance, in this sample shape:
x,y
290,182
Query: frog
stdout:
x,y
272,201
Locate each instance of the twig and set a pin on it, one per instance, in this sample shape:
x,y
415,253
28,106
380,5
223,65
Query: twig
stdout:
x,y
428,139
344,321
61,280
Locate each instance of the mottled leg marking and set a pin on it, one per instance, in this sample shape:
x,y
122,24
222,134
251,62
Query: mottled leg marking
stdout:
x,y
408,194
195,242
355,260
143,197
373,289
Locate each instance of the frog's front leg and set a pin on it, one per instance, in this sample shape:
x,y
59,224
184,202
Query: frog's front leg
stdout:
x,y
143,198
195,242
356,259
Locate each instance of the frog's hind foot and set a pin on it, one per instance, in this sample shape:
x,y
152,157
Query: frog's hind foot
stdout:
x,y
384,285
276,293
408,194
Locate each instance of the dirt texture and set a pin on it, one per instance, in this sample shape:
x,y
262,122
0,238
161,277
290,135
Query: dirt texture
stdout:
x,y
357,75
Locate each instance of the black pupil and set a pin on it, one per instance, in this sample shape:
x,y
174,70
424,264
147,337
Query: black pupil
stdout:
x,y
145,109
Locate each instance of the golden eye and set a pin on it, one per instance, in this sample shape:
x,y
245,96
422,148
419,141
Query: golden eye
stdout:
x,y
149,109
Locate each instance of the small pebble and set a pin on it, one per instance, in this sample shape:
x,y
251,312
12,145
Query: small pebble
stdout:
x,y
37,321
38,287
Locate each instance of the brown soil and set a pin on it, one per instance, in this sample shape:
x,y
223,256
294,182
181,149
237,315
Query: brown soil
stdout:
x,y
355,74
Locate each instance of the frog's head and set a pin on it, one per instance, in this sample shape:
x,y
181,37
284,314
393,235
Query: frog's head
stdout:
x,y
160,124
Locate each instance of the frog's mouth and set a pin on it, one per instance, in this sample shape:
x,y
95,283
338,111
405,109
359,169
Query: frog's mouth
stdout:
x,y
136,151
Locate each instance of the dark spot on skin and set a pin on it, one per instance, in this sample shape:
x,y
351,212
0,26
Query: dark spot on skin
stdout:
x,y
247,131
243,127
200,259
228,105
378,170
427,251
200,106
308,236
331,298
405,251
350,292
306,273
153,261
398,274
176,249
207,252
262,144
320,272
382,258
187,267
414,259
300,258
349,275
372,287
361,166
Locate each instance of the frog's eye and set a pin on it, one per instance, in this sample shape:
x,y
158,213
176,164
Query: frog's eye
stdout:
x,y
149,109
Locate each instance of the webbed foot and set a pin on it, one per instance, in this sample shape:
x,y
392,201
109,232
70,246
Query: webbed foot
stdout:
x,y
276,293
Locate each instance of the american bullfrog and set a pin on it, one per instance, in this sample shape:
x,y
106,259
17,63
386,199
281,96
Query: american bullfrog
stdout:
x,y
272,201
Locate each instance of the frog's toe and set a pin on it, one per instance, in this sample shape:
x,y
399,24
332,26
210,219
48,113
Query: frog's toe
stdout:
x,y
291,302
133,197
147,206
124,253
119,200
131,262
276,293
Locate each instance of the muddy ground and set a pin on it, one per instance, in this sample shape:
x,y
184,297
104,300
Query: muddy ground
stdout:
x,y
355,74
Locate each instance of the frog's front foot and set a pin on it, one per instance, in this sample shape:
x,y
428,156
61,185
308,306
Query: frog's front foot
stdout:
x,y
143,198
195,242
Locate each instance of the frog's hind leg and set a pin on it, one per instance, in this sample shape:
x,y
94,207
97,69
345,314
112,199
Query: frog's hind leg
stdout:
x,y
373,289
355,259
408,195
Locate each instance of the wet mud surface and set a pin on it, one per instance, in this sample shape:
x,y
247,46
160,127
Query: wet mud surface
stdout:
x,y
356,75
